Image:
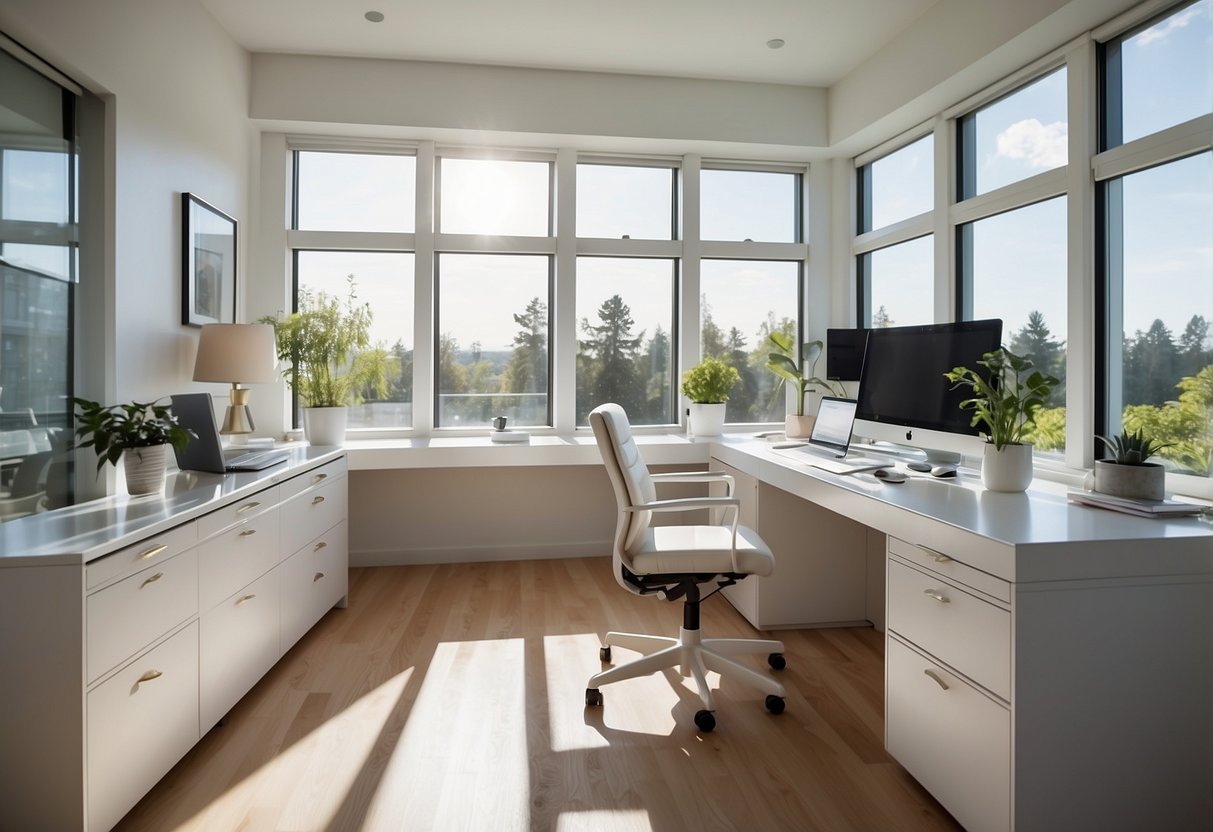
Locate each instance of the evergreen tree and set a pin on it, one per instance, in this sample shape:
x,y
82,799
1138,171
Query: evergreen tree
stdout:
x,y
612,352
1035,341
881,319
655,366
1193,356
711,337
527,369
741,405
1150,360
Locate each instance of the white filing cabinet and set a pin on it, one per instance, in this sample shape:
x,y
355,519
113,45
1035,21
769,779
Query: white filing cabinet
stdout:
x,y
128,653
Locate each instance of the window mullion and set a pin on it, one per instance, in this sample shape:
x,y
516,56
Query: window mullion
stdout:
x,y
424,309
564,304
688,310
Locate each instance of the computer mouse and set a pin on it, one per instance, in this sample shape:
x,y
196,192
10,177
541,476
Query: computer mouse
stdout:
x,y
918,465
889,475
943,471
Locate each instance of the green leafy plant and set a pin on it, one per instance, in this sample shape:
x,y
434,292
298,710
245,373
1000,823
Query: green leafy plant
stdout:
x,y
782,361
709,382
1132,448
112,429
327,347
1006,397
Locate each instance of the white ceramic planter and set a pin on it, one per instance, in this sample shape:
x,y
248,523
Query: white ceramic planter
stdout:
x,y
325,425
1008,470
144,469
798,427
707,419
1147,481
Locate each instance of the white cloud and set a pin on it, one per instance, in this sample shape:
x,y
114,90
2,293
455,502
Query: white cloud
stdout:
x,y
1040,145
1166,27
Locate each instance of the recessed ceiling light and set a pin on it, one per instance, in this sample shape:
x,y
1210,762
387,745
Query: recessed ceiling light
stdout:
x,y
775,43
374,17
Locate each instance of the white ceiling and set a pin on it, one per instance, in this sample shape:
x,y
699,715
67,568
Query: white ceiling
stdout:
x,y
718,39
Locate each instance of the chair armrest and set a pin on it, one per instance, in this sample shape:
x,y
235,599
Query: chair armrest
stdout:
x,y
697,476
687,504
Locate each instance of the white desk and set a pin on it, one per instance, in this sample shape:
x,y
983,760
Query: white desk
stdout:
x,y
1048,666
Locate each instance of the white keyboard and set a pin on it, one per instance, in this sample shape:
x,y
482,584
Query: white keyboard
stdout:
x,y
849,464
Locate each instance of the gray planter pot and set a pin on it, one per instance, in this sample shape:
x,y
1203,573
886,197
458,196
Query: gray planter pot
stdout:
x,y
1140,482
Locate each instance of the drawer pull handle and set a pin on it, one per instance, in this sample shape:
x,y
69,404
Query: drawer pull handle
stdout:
x,y
937,556
317,500
244,599
320,478
247,507
937,595
248,533
148,677
934,677
152,552
317,576
319,546
152,579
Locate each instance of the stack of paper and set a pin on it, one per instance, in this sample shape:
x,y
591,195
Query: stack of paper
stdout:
x,y
1141,508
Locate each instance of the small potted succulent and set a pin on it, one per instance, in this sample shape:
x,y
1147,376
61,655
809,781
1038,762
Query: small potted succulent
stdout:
x,y
1005,400
1127,473
782,361
707,385
139,433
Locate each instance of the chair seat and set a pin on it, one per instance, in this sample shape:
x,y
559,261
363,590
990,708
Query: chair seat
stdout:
x,y
667,550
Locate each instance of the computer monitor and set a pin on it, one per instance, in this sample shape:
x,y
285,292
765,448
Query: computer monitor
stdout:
x,y
844,353
903,395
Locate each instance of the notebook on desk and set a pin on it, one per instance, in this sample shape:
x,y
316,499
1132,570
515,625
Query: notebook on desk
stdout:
x,y
830,441
205,452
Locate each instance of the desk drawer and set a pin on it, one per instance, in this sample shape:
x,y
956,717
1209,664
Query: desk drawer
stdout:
x,y
129,615
942,564
313,580
140,723
238,512
145,553
313,511
953,738
237,557
960,629
312,479
238,643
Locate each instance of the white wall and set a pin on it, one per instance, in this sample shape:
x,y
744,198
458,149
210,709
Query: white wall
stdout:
x,y
175,88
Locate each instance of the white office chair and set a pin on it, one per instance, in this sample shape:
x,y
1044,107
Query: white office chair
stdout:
x,y
674,562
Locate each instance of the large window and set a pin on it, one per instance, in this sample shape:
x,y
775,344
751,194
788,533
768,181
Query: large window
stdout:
x,y
898,284
494,196
1157,226
897,186
354,191
623,201
38,276
750,205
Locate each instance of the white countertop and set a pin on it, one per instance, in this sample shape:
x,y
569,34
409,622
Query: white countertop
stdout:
x,y
84,532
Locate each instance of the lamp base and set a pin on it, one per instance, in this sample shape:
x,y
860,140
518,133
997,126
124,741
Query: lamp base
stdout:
x,y
238,419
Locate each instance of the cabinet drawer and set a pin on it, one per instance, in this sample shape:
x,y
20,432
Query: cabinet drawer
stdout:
x,y
960,629
955,741
312,479
238,512
238,643
313,511
124,618
145,553
237,557
942,564
313,581
140,723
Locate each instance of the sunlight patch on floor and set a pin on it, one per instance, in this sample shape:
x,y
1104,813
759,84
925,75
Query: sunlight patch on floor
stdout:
x,y
569,661
605,820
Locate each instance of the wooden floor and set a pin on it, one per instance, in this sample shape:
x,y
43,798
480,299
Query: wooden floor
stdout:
x,y
452,698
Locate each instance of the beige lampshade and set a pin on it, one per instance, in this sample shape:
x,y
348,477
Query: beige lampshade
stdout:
x,y
237,354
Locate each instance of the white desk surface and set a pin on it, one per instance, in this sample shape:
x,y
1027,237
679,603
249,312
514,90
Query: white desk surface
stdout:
x,y
1034,536
80,533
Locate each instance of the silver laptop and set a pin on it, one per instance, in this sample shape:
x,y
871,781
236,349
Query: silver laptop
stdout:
x,y
205,452
830,441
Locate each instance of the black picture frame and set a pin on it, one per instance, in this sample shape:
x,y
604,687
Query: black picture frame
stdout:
x,y
208,263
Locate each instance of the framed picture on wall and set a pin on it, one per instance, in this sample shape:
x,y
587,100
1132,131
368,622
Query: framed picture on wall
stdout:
x,y
208,263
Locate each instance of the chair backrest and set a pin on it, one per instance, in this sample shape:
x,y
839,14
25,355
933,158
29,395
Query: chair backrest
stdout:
x,y
629,475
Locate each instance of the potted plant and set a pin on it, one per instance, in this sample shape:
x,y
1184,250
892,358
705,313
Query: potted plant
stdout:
x,y
782,362
138,432
1005,399
326,349
1127,473
707,385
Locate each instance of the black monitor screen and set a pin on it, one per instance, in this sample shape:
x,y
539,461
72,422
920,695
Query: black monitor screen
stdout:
x,y
844,353
902,381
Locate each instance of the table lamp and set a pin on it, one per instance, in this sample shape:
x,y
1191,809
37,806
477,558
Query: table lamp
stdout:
x,y
237,354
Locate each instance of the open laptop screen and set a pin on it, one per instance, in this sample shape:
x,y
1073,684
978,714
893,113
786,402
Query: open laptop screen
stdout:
x,y
832,429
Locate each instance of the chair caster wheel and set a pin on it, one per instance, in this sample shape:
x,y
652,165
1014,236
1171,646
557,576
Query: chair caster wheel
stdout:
x,y
704,721
775,704
777,661
593,697
604,654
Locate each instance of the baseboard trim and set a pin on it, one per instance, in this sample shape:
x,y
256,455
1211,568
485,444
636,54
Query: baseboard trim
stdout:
x,y
479,554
